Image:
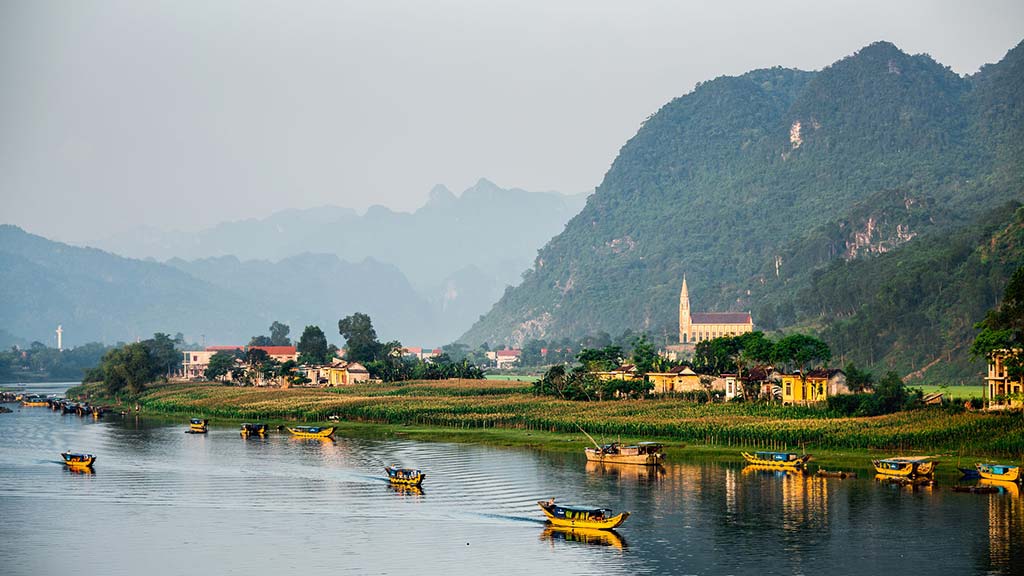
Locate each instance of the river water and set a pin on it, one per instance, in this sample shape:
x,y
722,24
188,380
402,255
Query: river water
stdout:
x,y
164,502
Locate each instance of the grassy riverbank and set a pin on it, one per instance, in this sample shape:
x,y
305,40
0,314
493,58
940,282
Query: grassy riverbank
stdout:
x,y
506,412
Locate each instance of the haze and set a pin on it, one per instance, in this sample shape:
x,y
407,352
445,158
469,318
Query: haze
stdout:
x,y
185,114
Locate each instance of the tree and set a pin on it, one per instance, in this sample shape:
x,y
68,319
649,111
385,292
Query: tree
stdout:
x,y
279,334
259,341
532,352
715,356
163,352
220,365
602,360
858,380
361,343
313,347
802,351
129,368
1002,329
644,355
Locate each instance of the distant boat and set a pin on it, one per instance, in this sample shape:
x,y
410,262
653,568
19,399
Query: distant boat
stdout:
x,y
404,476
644,453
34,401
581,516
197,426
777,459
251,429
912,467
1001,472
76,461
312,431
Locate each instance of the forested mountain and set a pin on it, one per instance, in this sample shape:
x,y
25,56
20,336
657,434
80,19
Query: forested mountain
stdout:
x,y
98,296
757,186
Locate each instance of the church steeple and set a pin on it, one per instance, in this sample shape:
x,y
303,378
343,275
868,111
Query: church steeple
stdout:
x,y
684,314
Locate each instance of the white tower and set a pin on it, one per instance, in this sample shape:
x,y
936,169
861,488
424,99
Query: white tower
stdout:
x,y
60,340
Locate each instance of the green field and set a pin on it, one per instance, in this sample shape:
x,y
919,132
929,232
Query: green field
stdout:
x,y
521,378
954,392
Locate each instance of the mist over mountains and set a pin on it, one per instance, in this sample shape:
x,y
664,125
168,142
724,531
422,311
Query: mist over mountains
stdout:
x,y
424,277
761,186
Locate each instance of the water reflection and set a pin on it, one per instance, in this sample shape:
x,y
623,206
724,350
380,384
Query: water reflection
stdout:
x,y
626,471
586,536
910,484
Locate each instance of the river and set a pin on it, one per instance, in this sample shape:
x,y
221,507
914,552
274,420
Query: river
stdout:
x,y
164,502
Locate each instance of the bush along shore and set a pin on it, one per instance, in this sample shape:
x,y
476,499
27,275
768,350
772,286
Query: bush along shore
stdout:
x,y
484,405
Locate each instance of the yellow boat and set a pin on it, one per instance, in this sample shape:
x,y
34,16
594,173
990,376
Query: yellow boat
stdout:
x,y
404,476
34,401
584,536
913,467
78,461
777,459
581,517
644,454
312,431
197,426
1001,472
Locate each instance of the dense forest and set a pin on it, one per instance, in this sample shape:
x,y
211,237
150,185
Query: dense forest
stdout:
x,y
803,197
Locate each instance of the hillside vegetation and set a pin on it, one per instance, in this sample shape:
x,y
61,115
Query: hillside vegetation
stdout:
x,y
799,195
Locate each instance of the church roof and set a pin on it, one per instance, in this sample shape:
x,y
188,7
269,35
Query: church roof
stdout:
x,y
720,318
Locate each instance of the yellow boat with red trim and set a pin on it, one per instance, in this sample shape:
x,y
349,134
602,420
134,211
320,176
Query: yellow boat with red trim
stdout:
x,y
76,461
1001,472
581,516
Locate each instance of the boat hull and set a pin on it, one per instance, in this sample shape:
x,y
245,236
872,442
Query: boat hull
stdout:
x,y
322,433
583,520
904,469
75,462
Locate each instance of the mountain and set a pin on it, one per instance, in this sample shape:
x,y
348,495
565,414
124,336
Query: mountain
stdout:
x,y
459,252
96,295
754,185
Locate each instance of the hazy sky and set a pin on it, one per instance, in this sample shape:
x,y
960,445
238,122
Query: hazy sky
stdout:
x,y
184,114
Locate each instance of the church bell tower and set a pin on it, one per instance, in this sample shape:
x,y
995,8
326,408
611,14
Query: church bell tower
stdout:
x,y
684,314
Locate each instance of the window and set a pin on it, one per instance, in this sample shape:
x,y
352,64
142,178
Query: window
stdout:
x,y
789,388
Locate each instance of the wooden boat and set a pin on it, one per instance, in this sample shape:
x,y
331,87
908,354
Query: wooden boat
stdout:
x,y
969,473
253,429
78,461
312,431
34,401
404,476
589,536
842,474
1001,472
912,467
644,453
777,459
581,516
197,426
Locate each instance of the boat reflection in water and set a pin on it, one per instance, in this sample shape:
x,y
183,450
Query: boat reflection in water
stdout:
x,y
1010,488
1005,520
752,469
406,490
631,471
587,536
911,484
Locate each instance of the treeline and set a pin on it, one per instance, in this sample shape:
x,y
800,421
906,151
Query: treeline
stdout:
x,y
39,362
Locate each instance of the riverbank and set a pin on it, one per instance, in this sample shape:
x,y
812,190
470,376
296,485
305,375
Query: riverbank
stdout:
x,y
506,413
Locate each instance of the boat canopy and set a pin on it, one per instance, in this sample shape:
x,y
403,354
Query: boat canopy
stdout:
x,y
198,421
776,456
559,510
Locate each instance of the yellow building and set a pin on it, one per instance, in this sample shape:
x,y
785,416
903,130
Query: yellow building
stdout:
x,y
1003,390
798,391
699,326
678,379
625,372
340,373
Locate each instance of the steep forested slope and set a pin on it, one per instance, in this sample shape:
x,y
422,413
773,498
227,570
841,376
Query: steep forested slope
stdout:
x,y
752,185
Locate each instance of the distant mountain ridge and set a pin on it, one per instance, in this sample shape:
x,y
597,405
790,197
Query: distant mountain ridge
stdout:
x,y
752,185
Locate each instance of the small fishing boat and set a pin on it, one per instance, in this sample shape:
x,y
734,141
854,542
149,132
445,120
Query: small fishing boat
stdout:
x,y
312,431
777,459
253,429
969,473
841,474
404,476
644,453
78,461
1001,472
197,426
581,516
910,467
34,401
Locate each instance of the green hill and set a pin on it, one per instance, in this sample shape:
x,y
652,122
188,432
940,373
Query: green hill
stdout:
x,y
755,186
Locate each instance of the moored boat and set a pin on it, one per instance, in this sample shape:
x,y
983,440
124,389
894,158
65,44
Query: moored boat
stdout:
x,y
34,401
1001,472
253,429
197,426
906,467
78,461
777,459
404,476
311,431
581,516
644,453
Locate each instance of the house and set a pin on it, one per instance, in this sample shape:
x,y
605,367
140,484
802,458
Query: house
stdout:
x,y
280,353
816,387
733,386
505,358
340,373
626,372
677,379
1004,391
195,362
